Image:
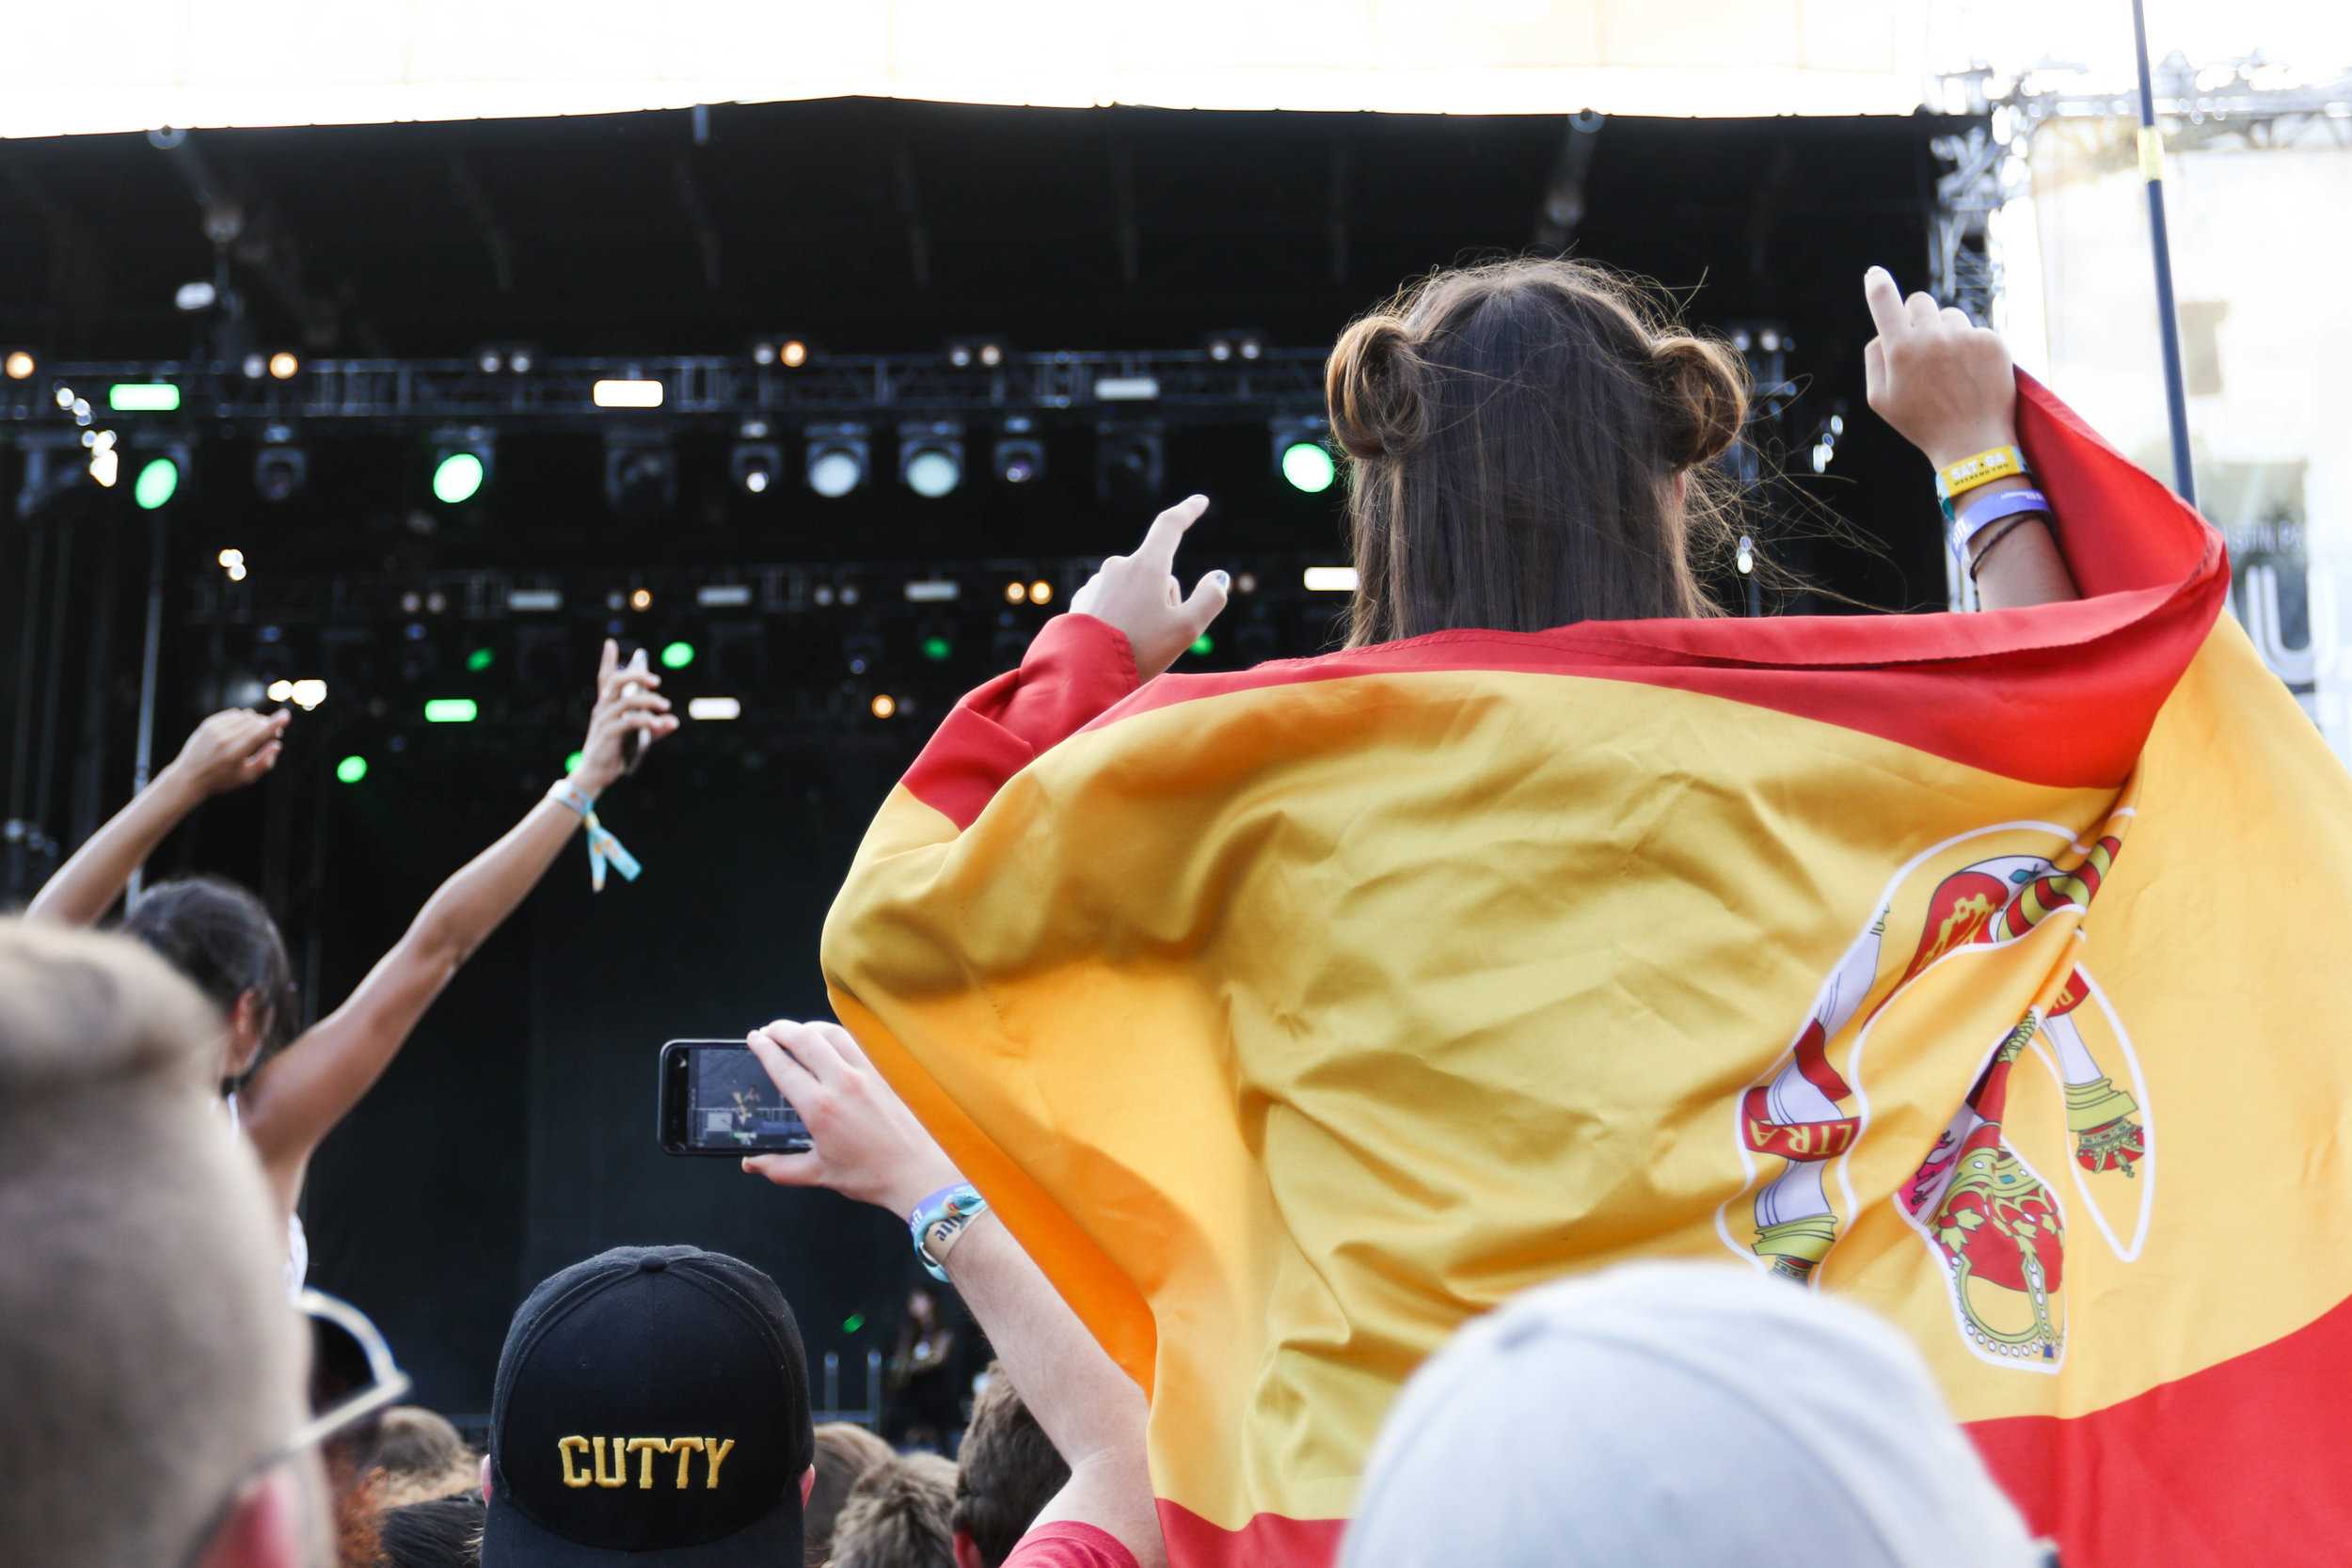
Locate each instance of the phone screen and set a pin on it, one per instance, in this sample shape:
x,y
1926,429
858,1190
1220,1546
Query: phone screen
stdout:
x,y
730,1103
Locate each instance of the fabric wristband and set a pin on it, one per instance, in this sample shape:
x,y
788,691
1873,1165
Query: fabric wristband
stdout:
x,y
1973,520
1971,472
603,847
939,1220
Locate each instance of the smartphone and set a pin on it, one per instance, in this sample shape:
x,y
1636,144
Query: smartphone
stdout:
x,y
716,1099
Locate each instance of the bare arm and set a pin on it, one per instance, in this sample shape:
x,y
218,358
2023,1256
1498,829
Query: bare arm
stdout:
x,y
1947,387
228,751
299,1096
870,1148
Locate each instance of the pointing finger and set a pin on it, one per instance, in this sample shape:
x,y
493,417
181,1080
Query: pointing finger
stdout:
x,y
1886,302
1168,529
1874,372
607,662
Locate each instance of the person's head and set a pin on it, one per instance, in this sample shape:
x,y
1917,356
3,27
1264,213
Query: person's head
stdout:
x,y
1007,1471
221,937
1529,442
445,1532
1673,1413
844,1455
151,1359
650,1402
419,1457
896,1516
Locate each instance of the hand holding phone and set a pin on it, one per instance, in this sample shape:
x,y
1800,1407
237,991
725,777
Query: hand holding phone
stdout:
x,y
717,1099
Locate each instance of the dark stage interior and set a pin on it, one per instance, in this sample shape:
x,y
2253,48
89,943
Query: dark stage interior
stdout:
x,y
514,1134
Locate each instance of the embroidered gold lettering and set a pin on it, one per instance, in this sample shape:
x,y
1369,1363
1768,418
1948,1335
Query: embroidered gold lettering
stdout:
x,y
564,1455
644,1448
686,1448
718,1450
620,1463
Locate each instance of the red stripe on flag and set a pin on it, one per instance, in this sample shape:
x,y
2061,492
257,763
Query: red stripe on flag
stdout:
x,y
2243,1462
1268,1541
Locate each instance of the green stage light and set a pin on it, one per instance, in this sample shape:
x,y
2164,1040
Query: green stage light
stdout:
x,y
456,477
451,710
352,770
855,1321
1204,645
143,397
936,649
1307,466
479,660
157,482
571,764
678,656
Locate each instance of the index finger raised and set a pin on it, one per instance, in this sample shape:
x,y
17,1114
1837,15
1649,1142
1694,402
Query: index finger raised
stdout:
x,y
1168,529
1886,303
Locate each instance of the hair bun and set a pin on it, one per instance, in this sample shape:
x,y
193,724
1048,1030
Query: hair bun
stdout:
x,y
1373,388
1705,388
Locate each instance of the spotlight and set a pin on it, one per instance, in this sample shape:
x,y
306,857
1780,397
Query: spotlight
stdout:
x,y
1300,456
639,476
640,599
678,656
837,459
19,365
157,482
1128,462
930,458
631,394
1016,592
988,353
1040,592
1330,579
283,366
461,466
229,558
350,769
779,348
279,470
193,297
884,704
754,466
1020,460
138,397
1238,343
505,358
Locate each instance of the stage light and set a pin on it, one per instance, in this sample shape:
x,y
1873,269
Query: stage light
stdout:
x,y
479,660
283,366
158,481
837,458
884,704
1330,579
1308,466
1238,343
534,600
1040,592
1127,389
723,595
105,466
1246,582
855,1321
932,591
280,470
139,397
930,458
19,365
987,352
255,367
229,558
460,468
627,394
350,769
754,466
641,598
237,572
308,693
678,656
639,476
792,355
1020,460
451,710
280,690
715,707
65,397
199,295
1016,592
938,649
776,348
1129,463
1204,645
493,359
572,762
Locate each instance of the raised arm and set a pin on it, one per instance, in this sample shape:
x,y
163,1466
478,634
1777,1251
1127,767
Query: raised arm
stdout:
x,y
227,752
299,1096
869,1147
1947,387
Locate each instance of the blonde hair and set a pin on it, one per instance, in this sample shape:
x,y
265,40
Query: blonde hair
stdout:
x,y
897,1516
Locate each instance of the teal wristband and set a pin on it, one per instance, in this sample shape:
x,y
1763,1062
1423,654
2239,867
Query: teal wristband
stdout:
x,y
603,848
939,1220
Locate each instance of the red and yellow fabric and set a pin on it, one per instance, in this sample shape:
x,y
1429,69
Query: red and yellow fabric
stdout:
x,y
1978,968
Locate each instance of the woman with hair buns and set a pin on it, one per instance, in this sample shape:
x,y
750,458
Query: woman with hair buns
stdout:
x,y
1291,1016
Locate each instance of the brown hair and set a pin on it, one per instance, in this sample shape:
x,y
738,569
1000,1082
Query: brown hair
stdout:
x,y
150,1354
1008,1471
1514,430
845,1455
896,1516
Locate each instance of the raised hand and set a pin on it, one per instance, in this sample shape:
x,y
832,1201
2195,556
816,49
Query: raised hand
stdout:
x,y
1139,595
627,699
230,750
868,1145
1946,384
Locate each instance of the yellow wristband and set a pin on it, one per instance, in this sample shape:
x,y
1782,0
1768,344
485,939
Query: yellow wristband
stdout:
x,y
1983,469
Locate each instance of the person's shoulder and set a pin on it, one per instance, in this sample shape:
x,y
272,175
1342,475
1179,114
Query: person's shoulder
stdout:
x,y
1066,1543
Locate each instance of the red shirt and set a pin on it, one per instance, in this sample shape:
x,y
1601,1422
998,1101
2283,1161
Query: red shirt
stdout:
x,y
1068,1544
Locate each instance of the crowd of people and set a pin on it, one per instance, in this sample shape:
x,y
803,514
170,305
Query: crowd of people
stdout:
x,y
176,1396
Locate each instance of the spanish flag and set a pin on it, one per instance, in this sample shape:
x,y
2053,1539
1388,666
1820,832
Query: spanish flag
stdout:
x,y
1975,967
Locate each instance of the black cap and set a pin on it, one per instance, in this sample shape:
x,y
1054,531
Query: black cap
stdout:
x,y
651,1407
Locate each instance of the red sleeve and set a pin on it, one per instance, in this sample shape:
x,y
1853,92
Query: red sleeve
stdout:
x,y
1077,670
1067,1544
